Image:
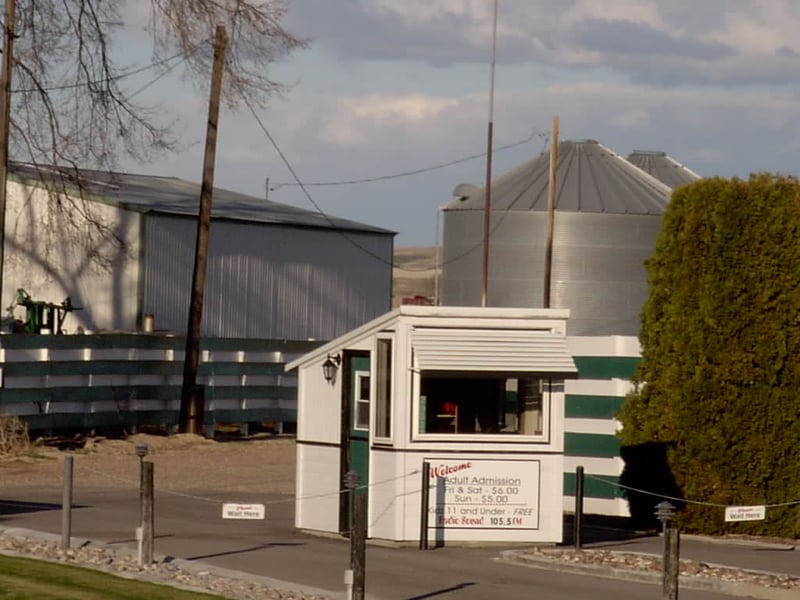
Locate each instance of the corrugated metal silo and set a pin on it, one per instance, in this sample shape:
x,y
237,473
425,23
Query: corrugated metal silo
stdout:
x,y
663,167
608,214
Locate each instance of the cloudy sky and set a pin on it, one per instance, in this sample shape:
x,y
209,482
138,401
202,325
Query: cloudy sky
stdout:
x,y
395,86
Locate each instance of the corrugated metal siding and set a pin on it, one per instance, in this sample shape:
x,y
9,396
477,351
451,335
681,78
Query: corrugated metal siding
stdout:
x,y
598,265
491,350
267,281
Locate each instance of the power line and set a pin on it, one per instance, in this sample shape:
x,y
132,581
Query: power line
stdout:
x,y
307,194
184,55
305,190
419,171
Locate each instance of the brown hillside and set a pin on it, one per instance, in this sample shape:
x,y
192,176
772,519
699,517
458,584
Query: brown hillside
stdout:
x,y
414,273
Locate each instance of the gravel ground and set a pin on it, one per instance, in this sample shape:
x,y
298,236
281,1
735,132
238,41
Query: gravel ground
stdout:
x,y
652,564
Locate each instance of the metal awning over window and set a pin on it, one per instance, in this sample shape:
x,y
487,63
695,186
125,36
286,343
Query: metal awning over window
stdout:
x,y
499,350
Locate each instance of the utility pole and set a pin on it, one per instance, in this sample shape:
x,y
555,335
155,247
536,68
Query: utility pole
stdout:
x,y
5,113
551,212
192,401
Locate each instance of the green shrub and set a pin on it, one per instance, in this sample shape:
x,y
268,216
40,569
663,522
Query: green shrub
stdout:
x,y
719,379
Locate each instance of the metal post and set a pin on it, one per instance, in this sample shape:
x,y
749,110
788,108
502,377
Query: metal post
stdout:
x,y
577,526
141,451
66,505
665,512
424,505
147,513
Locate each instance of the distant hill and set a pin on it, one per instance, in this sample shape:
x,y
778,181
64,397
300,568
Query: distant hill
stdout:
x,y
414,273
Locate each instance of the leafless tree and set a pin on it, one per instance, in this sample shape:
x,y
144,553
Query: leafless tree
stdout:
x,y
71,109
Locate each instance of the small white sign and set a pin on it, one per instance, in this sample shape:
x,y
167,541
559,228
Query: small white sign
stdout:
x,y
745,513
243,511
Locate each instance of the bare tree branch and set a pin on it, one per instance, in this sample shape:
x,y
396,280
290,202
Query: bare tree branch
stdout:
x,y
70,109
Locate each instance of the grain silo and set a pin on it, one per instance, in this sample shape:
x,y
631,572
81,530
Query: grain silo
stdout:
x,y
608,214
663,167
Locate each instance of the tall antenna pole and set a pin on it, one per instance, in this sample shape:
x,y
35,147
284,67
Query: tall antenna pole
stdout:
x,y
551,212
5,114
488,206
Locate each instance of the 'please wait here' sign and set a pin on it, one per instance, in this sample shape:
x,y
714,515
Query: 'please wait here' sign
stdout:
x,y
243,511
745,513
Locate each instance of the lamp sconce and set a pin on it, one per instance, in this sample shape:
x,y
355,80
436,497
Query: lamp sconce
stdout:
x,y
330,366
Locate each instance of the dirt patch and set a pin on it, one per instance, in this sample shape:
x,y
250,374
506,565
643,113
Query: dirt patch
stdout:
x,y
181,462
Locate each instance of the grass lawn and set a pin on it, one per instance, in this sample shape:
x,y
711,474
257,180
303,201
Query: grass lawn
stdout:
x,y
27,579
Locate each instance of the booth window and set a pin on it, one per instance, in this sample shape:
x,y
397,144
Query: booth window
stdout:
x,y
361,407
469,403
383,388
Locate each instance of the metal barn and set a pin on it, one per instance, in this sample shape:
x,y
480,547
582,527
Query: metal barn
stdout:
x,y
274,271
607,216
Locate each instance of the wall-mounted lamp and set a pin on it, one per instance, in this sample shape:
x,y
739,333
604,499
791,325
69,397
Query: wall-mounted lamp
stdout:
x,y
330,366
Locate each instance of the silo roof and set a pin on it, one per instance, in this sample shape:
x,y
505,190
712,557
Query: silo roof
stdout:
x,y
170,195
590,178
663,167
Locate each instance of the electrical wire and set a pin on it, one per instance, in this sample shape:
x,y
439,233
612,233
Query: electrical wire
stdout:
x,y
305,191
184,54
419,171
307,194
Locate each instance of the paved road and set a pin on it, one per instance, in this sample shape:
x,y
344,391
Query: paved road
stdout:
x,y
191,527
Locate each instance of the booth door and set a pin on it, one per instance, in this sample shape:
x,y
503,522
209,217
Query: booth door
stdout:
x,y
359,418
355,426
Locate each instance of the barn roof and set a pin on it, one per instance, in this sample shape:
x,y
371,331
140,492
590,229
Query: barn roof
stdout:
x,y
663,167
590,178
173,196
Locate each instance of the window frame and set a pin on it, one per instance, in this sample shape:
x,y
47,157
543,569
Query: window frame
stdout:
x,y
390,390
416,414
358,376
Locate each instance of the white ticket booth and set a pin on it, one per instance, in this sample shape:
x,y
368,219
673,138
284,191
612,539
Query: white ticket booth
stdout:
x,y
477,394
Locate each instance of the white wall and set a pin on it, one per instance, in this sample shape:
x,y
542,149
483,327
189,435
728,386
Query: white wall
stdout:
x,y
317,490
43,258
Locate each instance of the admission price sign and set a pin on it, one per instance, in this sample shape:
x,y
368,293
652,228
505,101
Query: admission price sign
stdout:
x,y
484,494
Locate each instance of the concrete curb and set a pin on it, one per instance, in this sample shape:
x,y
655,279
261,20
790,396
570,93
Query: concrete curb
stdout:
x,y
735,541
185,565
731,588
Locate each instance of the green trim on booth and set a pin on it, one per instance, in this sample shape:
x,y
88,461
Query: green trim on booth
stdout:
x,y
591,444
606,367
594,486
592,407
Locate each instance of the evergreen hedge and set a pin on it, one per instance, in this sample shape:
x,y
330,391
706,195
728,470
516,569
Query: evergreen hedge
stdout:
x,y
718,385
